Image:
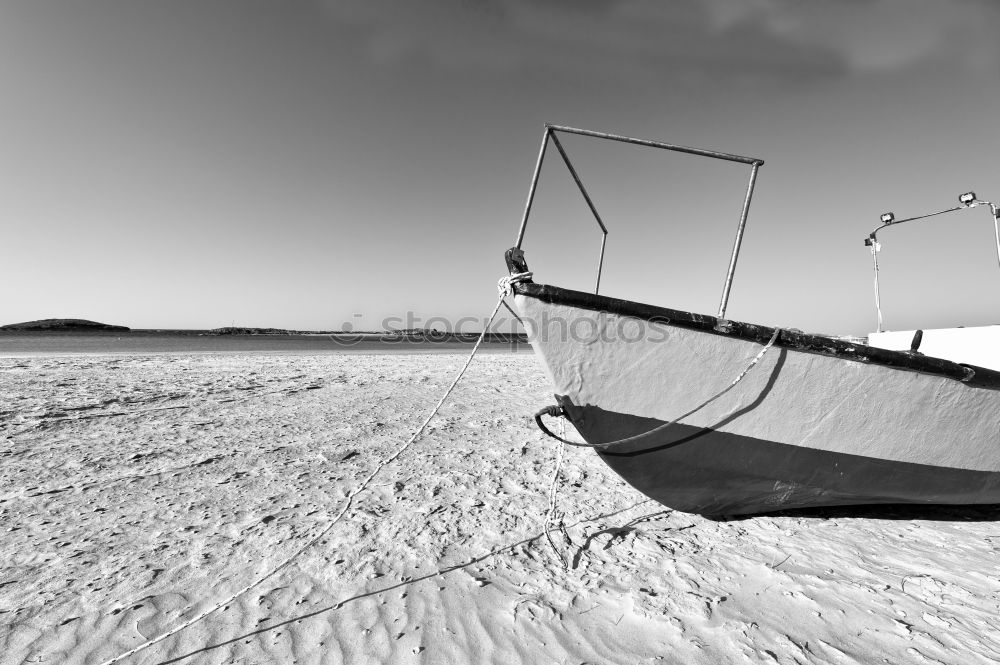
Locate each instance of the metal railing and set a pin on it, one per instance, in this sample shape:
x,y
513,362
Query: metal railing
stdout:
x,y
550,135
966,201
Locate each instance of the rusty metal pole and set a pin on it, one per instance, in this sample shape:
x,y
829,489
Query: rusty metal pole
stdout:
x,y
739,240
550,132
534,184
579,183
995,209
600,262
878,304
659,144
590,204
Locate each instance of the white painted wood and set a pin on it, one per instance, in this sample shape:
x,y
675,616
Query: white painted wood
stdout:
x,y
655,370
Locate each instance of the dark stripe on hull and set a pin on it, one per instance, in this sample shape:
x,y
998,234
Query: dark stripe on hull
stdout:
x,y
790,339
714,473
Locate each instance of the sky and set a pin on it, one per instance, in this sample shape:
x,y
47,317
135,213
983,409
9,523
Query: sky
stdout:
x,y
314,163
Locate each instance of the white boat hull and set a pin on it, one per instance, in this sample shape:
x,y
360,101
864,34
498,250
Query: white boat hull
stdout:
x,y
817,422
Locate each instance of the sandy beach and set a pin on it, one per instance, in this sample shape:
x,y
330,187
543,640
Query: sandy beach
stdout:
x,y
139,491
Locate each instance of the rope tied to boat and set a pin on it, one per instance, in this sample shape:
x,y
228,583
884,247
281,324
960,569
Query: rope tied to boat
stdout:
x,y
505,288
505,285
559,411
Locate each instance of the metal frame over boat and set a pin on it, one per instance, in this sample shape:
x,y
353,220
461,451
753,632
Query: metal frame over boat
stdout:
x,y
668,400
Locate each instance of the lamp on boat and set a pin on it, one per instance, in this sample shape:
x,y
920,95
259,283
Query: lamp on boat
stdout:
x,y
967,200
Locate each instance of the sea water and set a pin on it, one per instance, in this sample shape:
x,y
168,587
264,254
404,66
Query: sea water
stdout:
x,y
55,343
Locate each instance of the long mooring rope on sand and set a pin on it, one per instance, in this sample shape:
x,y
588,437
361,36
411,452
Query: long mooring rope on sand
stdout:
x,y
552,514
505,288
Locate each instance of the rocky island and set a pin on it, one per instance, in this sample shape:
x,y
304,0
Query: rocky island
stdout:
x,y
63,325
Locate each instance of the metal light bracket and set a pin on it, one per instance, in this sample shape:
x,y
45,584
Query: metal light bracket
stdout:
x,y
966,201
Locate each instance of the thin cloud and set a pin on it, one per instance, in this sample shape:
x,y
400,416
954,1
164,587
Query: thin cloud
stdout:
x,y
880,36
647,40
631,40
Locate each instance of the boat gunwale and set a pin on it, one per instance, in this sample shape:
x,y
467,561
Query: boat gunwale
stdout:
x,y
970,375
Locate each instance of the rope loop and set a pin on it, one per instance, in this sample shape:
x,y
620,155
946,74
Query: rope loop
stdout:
x,y
505,285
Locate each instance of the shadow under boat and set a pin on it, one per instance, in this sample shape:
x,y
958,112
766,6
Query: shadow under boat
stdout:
x,y
714,473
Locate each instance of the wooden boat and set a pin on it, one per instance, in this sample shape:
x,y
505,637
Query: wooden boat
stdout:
x,y
718,417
